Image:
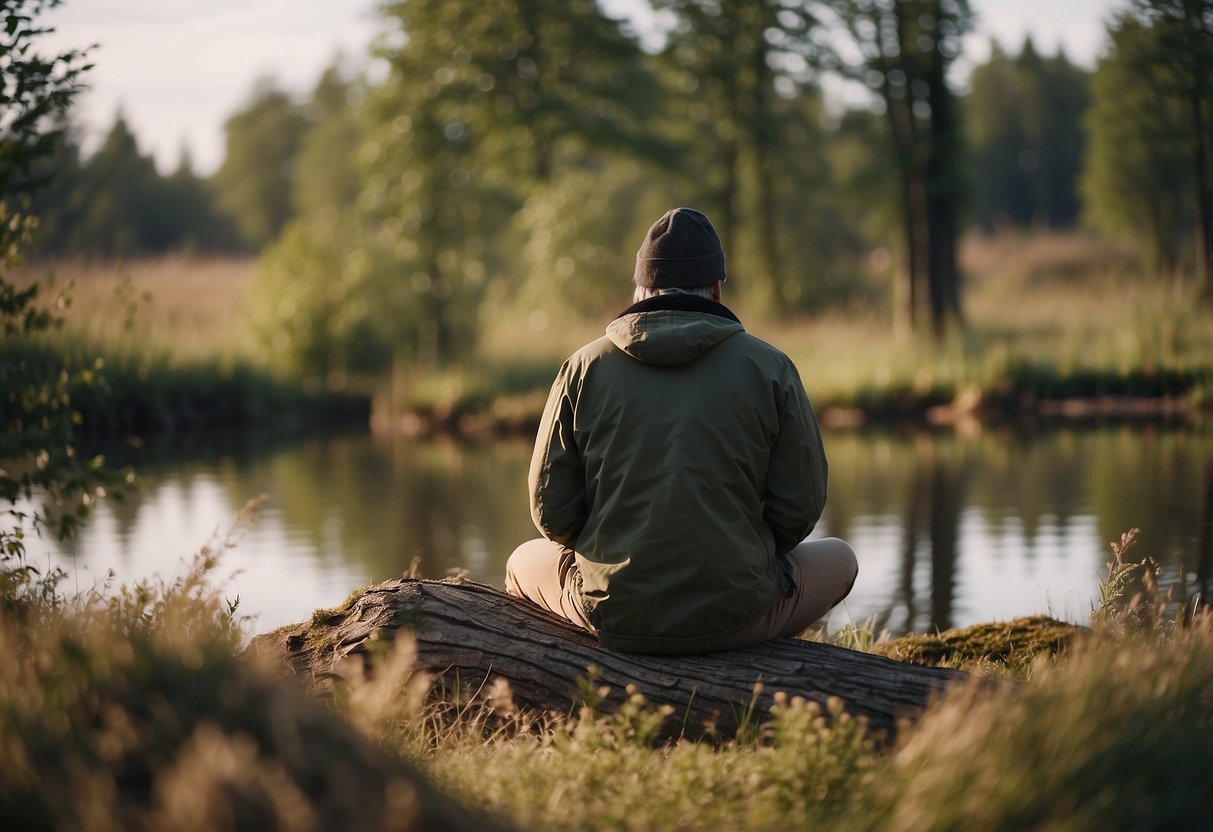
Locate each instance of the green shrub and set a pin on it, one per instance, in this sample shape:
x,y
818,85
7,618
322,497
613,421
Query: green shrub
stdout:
x,y
1117,736
131,711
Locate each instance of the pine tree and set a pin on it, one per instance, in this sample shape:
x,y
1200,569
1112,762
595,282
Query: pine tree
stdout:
x,y
1025,132
1156,88
121,199
255,182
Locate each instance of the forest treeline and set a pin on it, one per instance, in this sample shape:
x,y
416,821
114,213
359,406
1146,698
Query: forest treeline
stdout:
x,y
513,153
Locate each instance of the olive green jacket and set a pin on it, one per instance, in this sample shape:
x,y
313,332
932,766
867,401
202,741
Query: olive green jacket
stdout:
x,y
678,456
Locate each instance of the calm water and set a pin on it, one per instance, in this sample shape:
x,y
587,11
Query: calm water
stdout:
x,y
949,530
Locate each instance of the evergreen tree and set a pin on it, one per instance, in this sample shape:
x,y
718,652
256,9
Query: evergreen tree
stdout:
x,y
121,200
1137,179
255,183
57,204
194,222
1026,138
1162,59
116,204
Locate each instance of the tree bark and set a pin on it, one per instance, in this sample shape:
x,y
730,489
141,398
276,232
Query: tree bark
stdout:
x,y
469,634
903,131
760,128
943,161
1204,201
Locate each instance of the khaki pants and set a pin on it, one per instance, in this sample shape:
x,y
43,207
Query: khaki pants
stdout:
x,y
823,572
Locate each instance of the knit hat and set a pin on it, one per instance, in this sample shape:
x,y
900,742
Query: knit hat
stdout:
x,y
681,251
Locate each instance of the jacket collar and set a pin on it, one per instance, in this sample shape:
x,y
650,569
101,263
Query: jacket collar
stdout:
x,y
680,303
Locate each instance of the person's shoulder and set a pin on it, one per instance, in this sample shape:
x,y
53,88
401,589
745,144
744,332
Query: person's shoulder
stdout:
x,y
762,350
588,354
597,348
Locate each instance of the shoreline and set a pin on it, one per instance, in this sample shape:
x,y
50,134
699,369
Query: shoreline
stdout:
x,y
960,414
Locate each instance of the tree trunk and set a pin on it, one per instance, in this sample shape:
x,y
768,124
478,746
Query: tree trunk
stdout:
x,y
906,148
1204,201
762,124
943,161
470,634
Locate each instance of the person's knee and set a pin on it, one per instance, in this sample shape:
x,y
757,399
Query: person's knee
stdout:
x,y
847,561
844,565
512,566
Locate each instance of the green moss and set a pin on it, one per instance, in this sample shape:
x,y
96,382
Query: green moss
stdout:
x,y
1013,644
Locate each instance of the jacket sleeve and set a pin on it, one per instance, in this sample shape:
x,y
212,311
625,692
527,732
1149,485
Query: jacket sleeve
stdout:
x,y
557,478
797,472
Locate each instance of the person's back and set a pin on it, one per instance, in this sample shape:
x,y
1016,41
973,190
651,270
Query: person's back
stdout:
x,y
677,468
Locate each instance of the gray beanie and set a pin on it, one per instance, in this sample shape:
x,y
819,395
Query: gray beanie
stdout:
x,y
681,251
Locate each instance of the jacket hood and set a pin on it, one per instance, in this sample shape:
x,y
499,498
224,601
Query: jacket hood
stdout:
x,y
672,330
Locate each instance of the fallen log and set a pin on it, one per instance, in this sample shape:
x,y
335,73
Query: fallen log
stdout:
x,y
474,634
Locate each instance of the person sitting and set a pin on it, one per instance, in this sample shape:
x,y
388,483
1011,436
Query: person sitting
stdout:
x,y
677,471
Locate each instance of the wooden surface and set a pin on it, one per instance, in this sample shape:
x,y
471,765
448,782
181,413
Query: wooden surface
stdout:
x,y
475,633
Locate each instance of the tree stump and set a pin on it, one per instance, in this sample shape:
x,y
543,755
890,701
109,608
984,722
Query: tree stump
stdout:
x,y
476,634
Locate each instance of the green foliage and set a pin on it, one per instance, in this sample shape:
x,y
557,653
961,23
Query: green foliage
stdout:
x,y
484,105
323,308
571,232
116,204
1137,178
254,185
35,91
744,110
132,712
38,459
1116,736
906,51
595,771
327,180
1025,132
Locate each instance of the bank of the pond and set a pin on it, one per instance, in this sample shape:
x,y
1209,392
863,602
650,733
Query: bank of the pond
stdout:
x,y
121,393
126,393
1026,394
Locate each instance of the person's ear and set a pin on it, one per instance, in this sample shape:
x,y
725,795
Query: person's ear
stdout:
x,y
716,291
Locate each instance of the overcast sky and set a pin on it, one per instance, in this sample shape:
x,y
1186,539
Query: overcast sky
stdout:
x,y
178,68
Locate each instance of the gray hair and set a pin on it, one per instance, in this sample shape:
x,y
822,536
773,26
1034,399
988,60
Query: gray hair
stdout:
x,y
644,292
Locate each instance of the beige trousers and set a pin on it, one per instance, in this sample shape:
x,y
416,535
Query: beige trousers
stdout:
x,y
823,572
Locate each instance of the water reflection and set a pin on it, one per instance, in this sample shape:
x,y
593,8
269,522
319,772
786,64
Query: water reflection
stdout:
x,y
949,530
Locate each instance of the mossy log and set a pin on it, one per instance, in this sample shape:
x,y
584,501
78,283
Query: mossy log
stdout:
x,y
469,634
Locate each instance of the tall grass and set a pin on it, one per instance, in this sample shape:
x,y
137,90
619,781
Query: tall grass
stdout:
x,y
188,308
1048,316
128,709
172,344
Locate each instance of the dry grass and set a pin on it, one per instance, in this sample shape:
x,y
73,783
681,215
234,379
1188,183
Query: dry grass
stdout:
x,y
1043,310
132,712
191,308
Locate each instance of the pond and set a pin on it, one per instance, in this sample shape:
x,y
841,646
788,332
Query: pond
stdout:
x,y
950,530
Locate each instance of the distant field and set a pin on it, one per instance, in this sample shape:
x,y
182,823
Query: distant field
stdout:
x,y
176,346
1062,312
191,308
